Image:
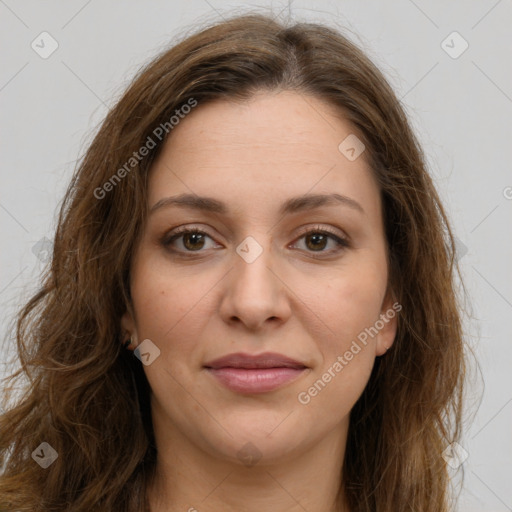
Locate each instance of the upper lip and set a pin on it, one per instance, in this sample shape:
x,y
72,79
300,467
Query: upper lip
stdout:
x,y
265,360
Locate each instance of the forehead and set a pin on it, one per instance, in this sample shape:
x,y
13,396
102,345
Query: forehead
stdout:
x,y
273,145
267,122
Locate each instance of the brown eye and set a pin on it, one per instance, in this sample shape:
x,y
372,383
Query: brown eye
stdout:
x,y
317,241
193,241
187,240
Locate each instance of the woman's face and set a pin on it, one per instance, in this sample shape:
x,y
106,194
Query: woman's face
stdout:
x,y
254,281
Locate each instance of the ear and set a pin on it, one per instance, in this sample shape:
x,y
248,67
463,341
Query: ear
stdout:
x,y
387,323
129,329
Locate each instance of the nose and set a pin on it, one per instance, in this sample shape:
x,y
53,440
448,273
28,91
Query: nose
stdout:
x,y
254,294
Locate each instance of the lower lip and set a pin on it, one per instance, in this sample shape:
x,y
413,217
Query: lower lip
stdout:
x,y
255,380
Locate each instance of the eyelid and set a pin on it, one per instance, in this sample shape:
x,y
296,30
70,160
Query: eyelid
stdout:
x,y
342,240
326,229
180,230
302,231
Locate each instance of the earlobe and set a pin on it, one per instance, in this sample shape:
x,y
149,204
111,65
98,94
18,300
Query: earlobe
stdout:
x,y
388,325
386,335
128,330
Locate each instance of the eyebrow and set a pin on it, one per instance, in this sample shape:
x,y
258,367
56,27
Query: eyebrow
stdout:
x,y
292,205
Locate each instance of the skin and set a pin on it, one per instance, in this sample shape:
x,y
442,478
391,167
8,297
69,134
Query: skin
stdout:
x,y
306,301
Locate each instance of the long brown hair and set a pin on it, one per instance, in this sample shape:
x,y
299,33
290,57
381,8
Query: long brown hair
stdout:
x,y
88,398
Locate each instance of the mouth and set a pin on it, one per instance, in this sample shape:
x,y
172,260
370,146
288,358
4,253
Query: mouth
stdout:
x,y
245,373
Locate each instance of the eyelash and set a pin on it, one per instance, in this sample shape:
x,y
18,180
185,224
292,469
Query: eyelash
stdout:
x,y
342,242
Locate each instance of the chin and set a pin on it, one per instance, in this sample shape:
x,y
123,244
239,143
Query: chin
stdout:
x,y
252,442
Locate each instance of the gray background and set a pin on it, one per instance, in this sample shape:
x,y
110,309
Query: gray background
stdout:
x,y
460,108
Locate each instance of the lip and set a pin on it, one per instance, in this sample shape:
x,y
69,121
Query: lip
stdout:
x,y
246,373
250,361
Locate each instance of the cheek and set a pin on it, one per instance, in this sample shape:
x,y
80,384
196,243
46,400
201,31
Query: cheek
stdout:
x,y
349,306
166,300
344,303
